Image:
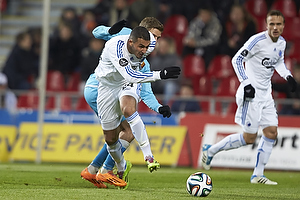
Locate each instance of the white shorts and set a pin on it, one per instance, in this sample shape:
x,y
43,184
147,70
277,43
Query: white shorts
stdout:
x,y
132,89
108,104
252,114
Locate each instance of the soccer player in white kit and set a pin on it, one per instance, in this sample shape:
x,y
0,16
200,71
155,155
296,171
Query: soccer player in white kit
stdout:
x,y
262,54
102,32
116,69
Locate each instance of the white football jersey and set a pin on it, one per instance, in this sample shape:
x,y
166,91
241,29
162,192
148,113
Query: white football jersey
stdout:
x,y
256,61
117,66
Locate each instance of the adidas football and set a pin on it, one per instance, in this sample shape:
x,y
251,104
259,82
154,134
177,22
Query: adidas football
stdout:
x,y
199,184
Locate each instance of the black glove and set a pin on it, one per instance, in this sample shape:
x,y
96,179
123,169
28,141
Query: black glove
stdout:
x,y
165,111
117,27
170,72
292,83
249,92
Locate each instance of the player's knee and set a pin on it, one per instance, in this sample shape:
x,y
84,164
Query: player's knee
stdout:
x,y
111,137
271,132
271,135
128,110
249,138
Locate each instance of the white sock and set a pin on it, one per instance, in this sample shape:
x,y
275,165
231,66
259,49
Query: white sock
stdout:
x,y
124,143
103,170
232,141
139,131
264,150
116,153
92,169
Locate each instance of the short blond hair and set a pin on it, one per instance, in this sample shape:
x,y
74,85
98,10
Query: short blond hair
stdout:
x,y
151,22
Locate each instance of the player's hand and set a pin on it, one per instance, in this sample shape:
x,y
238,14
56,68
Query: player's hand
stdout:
x,y
117,27
165,111
170,72
292,83
249,92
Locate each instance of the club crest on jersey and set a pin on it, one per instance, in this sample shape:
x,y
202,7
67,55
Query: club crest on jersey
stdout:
x,y
266,62
123,62
244,52
134,67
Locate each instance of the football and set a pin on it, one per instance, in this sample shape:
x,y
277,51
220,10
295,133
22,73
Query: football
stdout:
x,y
199,184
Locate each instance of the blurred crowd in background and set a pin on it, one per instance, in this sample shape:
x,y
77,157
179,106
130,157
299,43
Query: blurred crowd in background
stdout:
x,y
200,36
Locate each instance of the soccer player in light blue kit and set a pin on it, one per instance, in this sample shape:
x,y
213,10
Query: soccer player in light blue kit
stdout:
x,y
146,94
262,54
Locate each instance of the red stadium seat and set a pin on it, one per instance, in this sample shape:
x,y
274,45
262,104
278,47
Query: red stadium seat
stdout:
x,y
82,105
50,103
261,24
29,100
65,103
294,53
202,86
292,29
228,87
193,66
55,81
287,7
176,27
221,67
257,8
73,82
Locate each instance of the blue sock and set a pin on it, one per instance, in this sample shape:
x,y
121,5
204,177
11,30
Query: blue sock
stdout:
x,y
109,163
100,158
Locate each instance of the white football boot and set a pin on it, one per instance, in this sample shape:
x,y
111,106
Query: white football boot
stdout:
x,y
261,180
205,161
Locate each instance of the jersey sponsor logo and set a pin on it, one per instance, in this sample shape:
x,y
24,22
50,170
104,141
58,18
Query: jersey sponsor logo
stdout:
x,y
244,52
123,62
266,62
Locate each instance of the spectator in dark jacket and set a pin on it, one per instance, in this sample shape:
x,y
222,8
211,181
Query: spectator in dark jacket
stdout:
x,y
90,59
21,67
238,29
203,35
64,51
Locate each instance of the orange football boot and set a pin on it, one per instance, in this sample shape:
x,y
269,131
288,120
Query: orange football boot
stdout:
x,y
85,174
110,178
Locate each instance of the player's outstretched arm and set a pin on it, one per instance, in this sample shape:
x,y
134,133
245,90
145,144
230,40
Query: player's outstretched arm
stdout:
x,y
132,76
117,27
170,72
102,32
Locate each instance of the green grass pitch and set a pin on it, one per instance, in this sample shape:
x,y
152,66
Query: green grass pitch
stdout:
x,y
63,181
